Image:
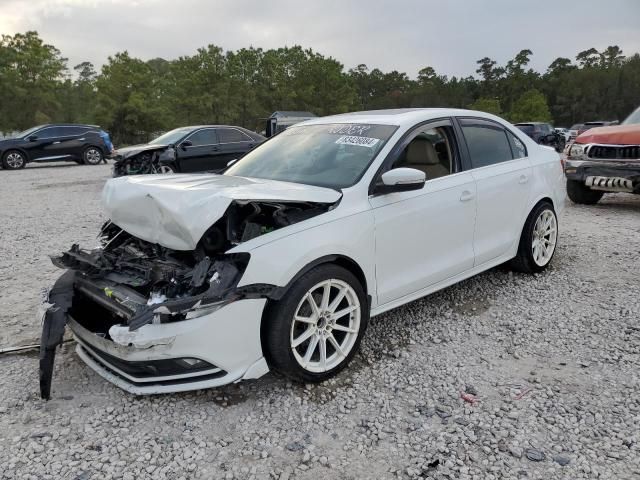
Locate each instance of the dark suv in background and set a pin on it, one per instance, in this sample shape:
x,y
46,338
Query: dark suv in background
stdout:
x,y
59,142
543,133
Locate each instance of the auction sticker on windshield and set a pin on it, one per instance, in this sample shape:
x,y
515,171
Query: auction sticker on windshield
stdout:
x,y
360,141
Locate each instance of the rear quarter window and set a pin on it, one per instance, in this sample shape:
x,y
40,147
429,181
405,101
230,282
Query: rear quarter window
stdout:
x,y
487,144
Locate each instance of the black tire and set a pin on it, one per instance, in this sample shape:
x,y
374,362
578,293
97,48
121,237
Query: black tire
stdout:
x,y
524,261
92,156
579,193
14,160
277,324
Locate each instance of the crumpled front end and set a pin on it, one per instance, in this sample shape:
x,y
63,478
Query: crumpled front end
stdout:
x,y
142,161
153,319
153,316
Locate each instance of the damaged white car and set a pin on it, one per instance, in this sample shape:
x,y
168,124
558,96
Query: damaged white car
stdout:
x,y
203,280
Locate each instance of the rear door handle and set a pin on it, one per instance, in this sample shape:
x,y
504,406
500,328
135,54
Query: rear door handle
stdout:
x,y
466,196
523,179
56,142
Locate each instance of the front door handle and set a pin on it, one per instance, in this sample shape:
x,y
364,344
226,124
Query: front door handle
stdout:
x,y
214,149
466,196
523,179
55,143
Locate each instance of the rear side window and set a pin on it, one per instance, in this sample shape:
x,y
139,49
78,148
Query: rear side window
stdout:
x,y
232,135
206,136
68,131
488,144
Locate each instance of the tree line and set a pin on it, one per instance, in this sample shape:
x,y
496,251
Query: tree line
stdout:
x,y
132,98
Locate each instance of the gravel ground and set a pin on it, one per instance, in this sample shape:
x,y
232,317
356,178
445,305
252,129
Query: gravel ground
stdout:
x,y
553,360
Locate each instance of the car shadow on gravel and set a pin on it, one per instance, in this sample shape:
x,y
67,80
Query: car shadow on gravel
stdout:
x,y
35,166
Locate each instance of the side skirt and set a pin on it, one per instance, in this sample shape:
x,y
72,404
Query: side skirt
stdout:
x,y
439,286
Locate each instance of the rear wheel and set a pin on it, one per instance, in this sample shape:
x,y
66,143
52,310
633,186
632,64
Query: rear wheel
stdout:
x,y
579,193
538,240
314,331
13,160
92,156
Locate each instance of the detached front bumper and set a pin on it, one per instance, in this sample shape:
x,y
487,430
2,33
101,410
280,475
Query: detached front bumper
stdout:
x,y
611,176
215,349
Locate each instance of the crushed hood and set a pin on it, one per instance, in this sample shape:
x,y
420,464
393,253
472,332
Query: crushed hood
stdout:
x,y
176,210
126,152
616,135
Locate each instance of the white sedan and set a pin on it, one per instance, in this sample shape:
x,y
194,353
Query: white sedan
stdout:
x,y
203,280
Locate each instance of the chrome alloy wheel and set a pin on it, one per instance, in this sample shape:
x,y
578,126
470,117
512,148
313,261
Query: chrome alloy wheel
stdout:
x,y
545,236
325,325
164,169
93,156
15,160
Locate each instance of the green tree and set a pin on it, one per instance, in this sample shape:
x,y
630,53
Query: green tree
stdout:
x,y
128,101
530,107
30,74
489,105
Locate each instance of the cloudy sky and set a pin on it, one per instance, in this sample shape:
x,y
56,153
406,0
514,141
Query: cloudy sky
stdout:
x,y
404,35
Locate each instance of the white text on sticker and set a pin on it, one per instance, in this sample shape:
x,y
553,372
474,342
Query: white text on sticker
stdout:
x,y
360,141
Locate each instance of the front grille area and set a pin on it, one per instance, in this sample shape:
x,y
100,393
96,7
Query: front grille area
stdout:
x,y
150,369
615,152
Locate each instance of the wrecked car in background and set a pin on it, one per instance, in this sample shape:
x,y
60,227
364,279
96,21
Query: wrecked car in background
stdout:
x,y
204,148
203,280
604,159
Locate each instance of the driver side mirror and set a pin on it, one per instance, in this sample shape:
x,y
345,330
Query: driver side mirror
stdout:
x,y
401,180
32,138
185,144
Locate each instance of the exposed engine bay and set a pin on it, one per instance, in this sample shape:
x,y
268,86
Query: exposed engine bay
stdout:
x,y
129,282
143,161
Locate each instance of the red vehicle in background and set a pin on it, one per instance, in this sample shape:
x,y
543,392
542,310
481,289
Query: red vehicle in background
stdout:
x,y
604,159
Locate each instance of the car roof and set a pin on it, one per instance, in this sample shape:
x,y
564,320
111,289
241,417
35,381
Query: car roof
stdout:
x,y
193,127
399,116
68,125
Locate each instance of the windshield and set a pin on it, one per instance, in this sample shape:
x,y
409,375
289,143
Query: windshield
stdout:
x,y
633,118
330,155
29,131
171,137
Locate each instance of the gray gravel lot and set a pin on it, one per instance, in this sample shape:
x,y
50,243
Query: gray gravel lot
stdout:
x,y
554,360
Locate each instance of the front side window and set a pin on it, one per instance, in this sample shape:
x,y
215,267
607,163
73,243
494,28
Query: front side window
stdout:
x,y
206,136
330,155
172,137
488,144
49,132
232,135
430,150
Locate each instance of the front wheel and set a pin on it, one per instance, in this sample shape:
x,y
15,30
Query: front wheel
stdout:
x,y
92,156
314,331
13,160
580,193
165,169
538,240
